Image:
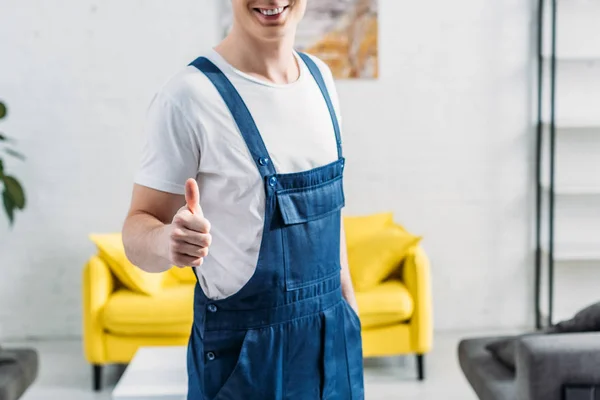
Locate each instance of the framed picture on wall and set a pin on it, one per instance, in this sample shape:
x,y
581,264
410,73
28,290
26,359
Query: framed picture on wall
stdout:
x,y
342,33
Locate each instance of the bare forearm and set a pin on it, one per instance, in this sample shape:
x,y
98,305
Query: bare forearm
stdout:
x,y
145,243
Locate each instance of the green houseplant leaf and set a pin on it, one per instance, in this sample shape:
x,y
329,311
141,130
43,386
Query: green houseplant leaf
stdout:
x,y
13,195
6,139
8,206
14,153
15,191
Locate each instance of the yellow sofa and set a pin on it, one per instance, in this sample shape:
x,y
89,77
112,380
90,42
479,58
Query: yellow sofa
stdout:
x,y
396,316
391,276
125,308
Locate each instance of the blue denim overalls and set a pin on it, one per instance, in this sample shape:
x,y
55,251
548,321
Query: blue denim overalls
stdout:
x,y
288,333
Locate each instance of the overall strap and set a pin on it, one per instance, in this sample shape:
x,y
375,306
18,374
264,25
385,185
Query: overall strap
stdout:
x,y
240,113
316,73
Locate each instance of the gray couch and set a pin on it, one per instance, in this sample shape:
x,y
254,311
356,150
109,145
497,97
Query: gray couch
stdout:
x,y
18,371
545,365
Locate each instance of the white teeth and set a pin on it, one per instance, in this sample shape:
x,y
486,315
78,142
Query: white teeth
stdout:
x,y
273,11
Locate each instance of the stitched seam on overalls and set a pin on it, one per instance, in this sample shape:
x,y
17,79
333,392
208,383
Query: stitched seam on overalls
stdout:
x,y
307,315
291,287
316,216
346,320
312,187
286,321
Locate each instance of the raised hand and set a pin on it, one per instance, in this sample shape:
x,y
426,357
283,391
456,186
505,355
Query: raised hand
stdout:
x,y
190,232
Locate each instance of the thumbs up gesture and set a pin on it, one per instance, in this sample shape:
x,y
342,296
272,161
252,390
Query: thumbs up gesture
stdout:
x,y
190,232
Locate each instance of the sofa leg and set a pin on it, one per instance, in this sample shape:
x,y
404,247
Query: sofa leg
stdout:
x,y
420,367
97,377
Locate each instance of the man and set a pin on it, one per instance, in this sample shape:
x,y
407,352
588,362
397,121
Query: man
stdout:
x,y
247,137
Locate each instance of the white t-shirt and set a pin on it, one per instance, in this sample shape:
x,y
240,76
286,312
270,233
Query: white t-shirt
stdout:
x,y
191,133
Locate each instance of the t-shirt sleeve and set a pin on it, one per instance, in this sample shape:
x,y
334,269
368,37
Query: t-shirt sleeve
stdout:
x,y
170,149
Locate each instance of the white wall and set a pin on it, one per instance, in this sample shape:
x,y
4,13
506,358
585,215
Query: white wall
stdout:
x,y
442,139
577,222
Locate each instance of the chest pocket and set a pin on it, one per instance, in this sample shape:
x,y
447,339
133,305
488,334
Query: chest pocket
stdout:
x,y
311,232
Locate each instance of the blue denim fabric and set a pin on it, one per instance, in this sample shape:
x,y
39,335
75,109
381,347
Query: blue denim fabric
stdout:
x,y
288,333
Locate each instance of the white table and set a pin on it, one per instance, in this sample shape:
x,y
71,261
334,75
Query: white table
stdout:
x,y
155,373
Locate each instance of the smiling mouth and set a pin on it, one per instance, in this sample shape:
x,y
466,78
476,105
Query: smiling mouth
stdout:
x,y
271,12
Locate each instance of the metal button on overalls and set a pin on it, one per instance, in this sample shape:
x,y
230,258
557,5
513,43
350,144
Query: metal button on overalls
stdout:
x,y
288,333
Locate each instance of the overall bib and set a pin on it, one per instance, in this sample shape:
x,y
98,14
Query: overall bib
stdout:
x,y
288,333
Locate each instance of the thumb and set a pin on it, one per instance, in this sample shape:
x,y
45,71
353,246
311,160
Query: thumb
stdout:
x,y
192,197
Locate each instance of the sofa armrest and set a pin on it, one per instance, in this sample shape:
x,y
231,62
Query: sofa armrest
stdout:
x,y
545,363
97,284
416,277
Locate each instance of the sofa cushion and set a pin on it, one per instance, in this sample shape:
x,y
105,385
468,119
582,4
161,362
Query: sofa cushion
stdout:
x,y
585,320
386,304
375,258
111,250
361,227
167,313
